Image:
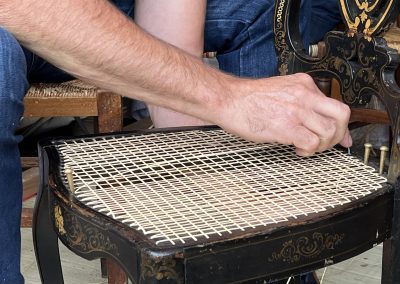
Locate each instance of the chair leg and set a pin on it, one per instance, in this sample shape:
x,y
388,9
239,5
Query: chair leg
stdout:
x,y
386,266
103,266
45,239
391,247
110,114
115,274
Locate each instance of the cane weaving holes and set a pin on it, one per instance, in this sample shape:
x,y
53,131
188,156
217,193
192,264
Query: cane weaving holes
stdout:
x,y
179,186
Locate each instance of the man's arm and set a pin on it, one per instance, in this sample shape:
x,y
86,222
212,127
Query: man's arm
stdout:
x,y
180,23
93,41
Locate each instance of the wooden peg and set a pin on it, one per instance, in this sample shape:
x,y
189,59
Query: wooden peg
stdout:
x,y
384,150
69,173
367,151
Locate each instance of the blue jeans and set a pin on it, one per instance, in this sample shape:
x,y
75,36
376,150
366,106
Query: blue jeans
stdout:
x,y
16,66
241,33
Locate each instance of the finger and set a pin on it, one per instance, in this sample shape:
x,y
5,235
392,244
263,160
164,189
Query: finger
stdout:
x,y
303,153
339,112
305,141
347,141
332,108
323,127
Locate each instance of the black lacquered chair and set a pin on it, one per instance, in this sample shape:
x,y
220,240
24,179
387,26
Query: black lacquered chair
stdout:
x,y
197,205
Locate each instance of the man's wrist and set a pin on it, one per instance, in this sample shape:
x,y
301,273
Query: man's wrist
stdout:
x,y
222,97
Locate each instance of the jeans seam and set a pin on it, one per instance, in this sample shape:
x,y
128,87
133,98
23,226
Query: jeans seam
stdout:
x,y
32,63
228,20
249,42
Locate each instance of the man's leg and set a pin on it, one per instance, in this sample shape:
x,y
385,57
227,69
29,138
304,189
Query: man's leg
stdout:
x,y
13,86
241,34
16,64
166,21
325,17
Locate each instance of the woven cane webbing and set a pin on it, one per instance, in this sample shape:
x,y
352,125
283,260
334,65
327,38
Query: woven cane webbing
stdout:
x,y
73,88
190,185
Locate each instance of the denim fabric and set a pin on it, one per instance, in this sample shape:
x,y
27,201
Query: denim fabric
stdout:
x,y
13,85
18,66
126,6
241,33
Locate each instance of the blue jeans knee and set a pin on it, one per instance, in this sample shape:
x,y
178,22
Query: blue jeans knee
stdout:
x,y
13,86
242,32
13,82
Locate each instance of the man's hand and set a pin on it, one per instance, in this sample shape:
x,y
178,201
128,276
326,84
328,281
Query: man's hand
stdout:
x,y
287,110
93,41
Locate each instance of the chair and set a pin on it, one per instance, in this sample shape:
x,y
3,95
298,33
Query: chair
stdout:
x,y
168,205
71,99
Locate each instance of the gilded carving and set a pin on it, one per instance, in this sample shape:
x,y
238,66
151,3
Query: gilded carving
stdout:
x,y
59,220
159,268
82,236
280,37
306,247
283,69
349,96
361,16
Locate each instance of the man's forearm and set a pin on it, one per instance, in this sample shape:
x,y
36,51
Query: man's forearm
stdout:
x,y
92,40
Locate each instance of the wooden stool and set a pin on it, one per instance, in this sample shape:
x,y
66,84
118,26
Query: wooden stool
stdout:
x,y
73,99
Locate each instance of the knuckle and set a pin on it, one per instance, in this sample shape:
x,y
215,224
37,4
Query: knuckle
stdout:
x,y
301,90
343,111
329,128
305,78
309,142
346,110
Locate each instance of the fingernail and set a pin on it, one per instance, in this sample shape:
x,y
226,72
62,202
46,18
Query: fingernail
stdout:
x,y
302,153
349,141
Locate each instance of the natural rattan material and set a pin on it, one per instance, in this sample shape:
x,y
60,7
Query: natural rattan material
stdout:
x,y
179,187
73,98
73,88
